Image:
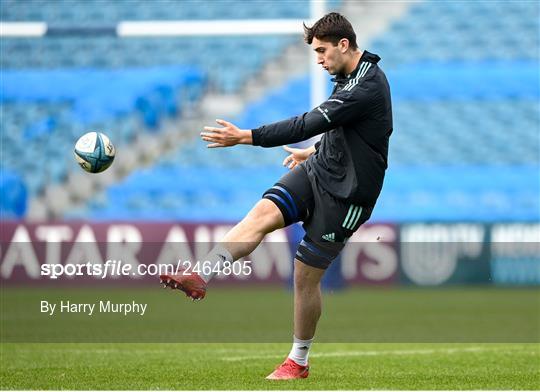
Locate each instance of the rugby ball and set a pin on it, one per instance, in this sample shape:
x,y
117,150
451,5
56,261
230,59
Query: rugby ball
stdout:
x,y
94,152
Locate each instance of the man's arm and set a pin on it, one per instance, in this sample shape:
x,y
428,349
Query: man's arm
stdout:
x,y
340,108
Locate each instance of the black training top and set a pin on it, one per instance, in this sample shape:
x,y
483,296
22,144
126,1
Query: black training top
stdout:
x,y
352,155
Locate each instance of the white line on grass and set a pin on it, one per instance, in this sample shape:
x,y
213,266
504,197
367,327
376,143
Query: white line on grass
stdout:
x,y
365,353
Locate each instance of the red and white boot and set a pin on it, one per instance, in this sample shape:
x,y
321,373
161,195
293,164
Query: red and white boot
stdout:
x,y
289,370
193,285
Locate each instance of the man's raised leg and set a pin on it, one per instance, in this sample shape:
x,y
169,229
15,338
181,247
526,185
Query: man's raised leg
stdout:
x,y
240,241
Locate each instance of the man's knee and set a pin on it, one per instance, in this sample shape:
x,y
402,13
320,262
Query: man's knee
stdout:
x,y
266,216
318,255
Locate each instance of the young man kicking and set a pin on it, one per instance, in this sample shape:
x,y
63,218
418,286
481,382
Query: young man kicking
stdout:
x,y
332,187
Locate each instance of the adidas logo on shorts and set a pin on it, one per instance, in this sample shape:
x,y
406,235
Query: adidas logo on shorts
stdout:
x,y
329,237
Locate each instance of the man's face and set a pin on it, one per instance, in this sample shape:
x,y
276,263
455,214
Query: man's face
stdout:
x,y
330,57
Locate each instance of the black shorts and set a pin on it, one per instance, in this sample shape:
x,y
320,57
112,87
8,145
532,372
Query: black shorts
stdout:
x,y
328,221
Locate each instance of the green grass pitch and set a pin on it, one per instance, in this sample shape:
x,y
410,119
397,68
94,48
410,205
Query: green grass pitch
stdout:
x,y
453,338
243,366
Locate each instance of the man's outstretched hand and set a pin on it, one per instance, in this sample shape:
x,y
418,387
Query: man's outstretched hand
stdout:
x,y
229,135
297,156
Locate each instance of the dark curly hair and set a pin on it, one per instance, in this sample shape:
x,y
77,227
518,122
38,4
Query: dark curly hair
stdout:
x,y
331,28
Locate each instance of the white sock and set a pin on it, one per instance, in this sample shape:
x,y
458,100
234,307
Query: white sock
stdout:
x,y
300,351
217,256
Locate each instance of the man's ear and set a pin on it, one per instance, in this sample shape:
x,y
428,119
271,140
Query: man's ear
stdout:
x,y
343,45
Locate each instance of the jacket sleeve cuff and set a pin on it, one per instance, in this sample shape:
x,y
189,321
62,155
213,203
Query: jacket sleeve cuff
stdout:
x,y
256,136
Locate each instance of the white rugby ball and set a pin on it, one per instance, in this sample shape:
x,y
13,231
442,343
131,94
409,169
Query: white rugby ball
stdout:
x,y
94,152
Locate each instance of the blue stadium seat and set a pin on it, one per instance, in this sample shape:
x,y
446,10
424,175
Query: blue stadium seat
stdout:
x,y
13,195
90,12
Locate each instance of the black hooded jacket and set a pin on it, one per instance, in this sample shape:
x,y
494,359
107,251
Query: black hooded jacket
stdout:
x,y
352,155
